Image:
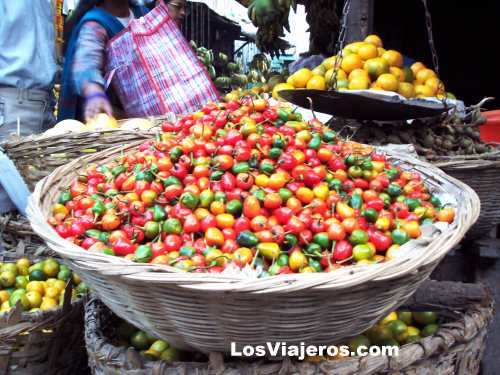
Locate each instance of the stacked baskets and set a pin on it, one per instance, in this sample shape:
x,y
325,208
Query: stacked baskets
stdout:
x,y
208,312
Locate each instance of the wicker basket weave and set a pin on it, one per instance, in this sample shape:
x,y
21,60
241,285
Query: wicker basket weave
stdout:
x,y
455,349
45,342
483,176
207,312
36,156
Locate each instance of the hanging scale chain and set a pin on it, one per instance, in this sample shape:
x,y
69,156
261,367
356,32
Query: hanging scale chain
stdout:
x,y
340,41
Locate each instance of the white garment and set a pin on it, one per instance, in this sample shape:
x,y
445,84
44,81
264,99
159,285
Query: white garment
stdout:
x,y
126,20
69,6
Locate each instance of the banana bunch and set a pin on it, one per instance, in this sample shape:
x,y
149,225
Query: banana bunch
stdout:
x,y
269,41
260,63
324,23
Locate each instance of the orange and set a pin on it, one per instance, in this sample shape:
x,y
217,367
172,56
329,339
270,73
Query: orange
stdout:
x,y
329,62
436,84
359,83
342,84
423,91
406,89
424,74
376,67
367,51
319,70
352,47
415,67
289,80
394,58
358,73
351,62
388,82
398,72
300,77
329,76
381,51
279,87
374,39
316,82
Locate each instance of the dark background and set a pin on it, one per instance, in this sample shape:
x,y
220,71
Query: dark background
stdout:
x,y
466,36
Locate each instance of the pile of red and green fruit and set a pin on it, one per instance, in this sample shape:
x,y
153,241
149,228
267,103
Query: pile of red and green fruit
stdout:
x,y
36,286
247,184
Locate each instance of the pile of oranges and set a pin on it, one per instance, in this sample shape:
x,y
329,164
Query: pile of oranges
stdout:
x,y
366,65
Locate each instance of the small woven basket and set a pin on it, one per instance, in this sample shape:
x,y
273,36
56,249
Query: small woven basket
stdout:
x,y
456,348
483,175
44,342
36,156
207,312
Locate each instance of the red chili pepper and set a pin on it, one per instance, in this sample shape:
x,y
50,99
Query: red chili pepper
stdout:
x,y
123,247
376,204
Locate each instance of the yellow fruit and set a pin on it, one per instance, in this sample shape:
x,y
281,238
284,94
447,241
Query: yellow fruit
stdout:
x,y
424,91
7,279
329,76
416,67
381,51
289,81
406,89
5,306
353,47
23,263
398,72
374,39
358,73
329,62
351,62
319,70
316,82
375,67
52,292
389,318
4,296
436,84
393,58
48,304
300,77
359,83
50,267
388,82
35,286
367,51
279,87
60,285
423,75
34,298
102,121
412,331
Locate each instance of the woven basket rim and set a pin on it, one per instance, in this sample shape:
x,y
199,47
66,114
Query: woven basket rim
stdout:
x,y
339,279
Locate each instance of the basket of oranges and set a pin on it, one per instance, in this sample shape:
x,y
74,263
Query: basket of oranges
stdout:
x,y
41,314
244,212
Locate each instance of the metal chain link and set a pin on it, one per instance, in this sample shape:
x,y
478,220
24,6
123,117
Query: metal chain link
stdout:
x,y
340,41
435,61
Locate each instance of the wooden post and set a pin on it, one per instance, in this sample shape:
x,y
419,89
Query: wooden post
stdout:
x,y
360,20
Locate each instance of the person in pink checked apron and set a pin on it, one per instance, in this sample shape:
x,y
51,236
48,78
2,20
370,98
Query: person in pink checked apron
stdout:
x,y
87,32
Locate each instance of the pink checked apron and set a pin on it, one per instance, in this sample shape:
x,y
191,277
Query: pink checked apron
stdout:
x,y
153,69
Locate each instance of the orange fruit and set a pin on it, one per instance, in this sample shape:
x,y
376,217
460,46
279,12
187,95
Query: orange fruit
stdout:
x,y
316,82
351,62
359,83
353,47
358,73
300,77
398,72
394,58
388,82
424,74
319,70
329,76
374,39
436,84
409,77
406,89
376,67
367,51
415,67
423,91
342,84
329,62
381,51
289,81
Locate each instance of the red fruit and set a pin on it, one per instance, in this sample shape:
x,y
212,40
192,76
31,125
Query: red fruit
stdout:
x,y
342,250
283,215
191,224
173,242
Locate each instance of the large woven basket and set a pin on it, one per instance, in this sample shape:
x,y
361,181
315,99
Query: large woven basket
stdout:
x,y
456,348
36,156
483,175
207,312
45,342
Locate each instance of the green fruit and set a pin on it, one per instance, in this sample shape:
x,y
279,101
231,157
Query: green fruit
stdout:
x,y
429,330
37,266
413,338
357,341
20,295
21,282
170,355
405,317
82,288
425,317
159,346
9,267
397,327
139,340
64,274
379,334
37,275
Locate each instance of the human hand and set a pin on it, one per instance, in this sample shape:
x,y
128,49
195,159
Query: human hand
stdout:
x,y
96,102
